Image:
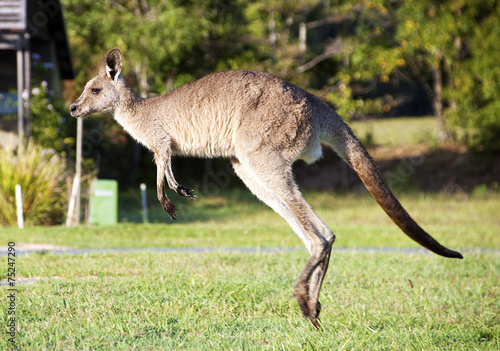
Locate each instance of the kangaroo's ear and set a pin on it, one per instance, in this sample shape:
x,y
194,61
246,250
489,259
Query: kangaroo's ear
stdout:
x,y
111,64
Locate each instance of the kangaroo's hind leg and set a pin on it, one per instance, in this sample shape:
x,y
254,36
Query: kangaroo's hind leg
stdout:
x,y
271,180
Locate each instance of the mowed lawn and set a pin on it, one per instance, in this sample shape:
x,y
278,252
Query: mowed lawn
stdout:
x,y
234,300
398,131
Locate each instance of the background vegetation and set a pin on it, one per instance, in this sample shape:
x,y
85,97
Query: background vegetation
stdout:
x,y
42,176
382,58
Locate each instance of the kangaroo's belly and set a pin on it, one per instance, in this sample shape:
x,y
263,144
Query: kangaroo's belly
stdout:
x,y
211,136
202,147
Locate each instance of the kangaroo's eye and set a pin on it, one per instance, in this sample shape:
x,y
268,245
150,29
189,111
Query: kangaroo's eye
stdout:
x,y
95,91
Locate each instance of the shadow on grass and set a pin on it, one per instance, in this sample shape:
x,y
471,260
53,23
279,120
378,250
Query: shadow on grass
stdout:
x,y
228,203
419,168
407,169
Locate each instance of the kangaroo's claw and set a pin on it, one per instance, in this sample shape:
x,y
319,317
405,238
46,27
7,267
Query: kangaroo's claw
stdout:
x,y
169,207
184,191
310,311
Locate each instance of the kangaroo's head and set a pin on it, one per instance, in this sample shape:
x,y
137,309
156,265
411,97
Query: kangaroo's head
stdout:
x,y
101,94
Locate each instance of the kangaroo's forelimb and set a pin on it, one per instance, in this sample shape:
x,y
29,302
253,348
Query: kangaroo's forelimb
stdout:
x,y
163,160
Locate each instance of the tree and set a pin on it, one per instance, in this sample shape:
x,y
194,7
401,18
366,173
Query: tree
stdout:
x,y
361,56
156,35
446,47
52,127
474,85
389,42
430,34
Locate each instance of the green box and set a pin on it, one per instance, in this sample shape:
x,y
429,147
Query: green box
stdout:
x,y
104,202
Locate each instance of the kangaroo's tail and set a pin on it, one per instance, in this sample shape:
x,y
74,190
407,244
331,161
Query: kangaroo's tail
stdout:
x,y
343,141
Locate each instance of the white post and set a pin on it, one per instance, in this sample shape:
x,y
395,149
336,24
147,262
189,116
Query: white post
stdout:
x,y
20,89
19,205
79,132
144,204
74,201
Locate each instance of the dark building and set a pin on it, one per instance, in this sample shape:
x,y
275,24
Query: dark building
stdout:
x,y
33,42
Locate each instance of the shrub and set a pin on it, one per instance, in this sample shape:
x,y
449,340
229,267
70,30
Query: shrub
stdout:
x,y
41,174
51,125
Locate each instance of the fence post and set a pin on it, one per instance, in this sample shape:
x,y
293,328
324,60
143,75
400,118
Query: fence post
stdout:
x,y
19,205
144,204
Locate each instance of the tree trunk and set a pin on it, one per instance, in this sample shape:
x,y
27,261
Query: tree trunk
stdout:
x,y
437,103
302,42
170,83
272,36
144,88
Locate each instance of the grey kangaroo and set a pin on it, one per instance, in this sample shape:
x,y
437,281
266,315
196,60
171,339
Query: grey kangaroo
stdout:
x,y
262,124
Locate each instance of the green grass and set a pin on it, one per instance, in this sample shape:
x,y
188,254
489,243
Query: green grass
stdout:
x,y
398,131
132,301
237,219
229,300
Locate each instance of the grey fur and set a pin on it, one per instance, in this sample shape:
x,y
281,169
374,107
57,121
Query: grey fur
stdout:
x,y
263,124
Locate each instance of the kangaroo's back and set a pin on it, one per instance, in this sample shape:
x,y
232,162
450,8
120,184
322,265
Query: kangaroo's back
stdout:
x,y
223,111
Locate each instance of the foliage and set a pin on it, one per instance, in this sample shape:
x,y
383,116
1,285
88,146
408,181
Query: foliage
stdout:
x,y
476,83
164,33
51,125
445,47
363,57
42,175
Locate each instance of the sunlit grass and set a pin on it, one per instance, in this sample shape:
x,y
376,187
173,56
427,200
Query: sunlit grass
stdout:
x,y
237,219
398,131
133,301
233,300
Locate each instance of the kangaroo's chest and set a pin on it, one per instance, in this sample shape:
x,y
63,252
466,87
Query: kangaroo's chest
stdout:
x,y
141,130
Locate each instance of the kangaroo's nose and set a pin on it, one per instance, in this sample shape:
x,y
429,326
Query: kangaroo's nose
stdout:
x,y
72,108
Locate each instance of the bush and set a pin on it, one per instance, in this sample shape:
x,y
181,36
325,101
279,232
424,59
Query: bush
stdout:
x,y
51,126
476,88
41,174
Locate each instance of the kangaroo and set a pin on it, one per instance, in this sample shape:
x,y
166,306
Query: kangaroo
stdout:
x,y
262,124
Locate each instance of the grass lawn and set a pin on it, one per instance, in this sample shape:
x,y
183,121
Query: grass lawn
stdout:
x,y
230,300
132,301
397,131
237,219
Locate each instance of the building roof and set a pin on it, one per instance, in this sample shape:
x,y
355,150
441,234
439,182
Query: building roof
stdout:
x,y
13,15
38,19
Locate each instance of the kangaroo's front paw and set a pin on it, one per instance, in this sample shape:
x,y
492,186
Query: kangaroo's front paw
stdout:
x,y
182,190
169,207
